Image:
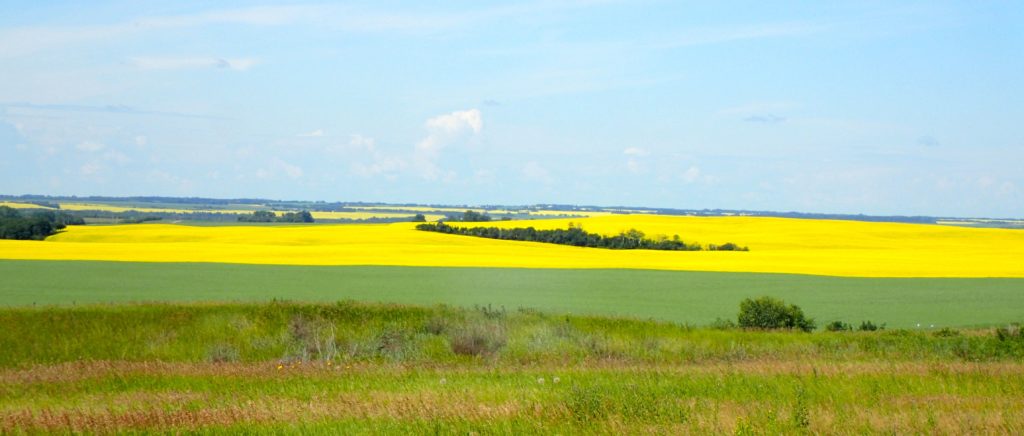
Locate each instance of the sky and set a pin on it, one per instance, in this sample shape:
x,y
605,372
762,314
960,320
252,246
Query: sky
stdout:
x,y
883,108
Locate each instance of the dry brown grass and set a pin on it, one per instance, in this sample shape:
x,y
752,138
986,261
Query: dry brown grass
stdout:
x,y
135,408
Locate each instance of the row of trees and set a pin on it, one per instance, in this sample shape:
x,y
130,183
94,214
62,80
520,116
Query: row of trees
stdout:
x,y
470,216
38,225
576,236
266,216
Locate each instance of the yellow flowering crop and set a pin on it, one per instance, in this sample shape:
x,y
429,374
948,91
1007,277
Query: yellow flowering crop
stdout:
x,y
780,245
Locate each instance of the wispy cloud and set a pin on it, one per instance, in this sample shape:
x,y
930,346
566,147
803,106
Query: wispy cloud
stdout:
x,y
635,151
110,109
185,63
32,39
717,35
765,118
318,133
27,40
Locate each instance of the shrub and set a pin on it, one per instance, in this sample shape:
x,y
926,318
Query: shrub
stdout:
x,y
838,326
1013,332
436,325
772,313
478,339
868,326
946,332
722,324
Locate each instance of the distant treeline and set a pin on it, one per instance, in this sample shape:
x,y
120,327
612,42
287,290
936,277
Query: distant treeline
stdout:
x,y
266,216
576,236
38,225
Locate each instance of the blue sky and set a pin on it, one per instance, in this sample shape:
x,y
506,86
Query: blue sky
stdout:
x,y
847,107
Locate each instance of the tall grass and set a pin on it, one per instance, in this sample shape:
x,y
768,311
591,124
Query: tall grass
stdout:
x,y
359,368
350,331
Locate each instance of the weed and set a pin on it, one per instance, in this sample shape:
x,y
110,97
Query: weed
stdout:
x,y
222,353
478,339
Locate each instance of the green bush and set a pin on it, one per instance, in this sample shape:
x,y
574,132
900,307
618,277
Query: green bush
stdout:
x,y
772,313
838,326
868,326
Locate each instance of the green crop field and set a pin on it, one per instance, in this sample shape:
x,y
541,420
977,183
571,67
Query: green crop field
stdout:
x,y
685,297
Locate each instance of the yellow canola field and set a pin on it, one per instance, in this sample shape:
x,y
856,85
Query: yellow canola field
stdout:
x,y
13,205
779,245
326,215
112,208
316,214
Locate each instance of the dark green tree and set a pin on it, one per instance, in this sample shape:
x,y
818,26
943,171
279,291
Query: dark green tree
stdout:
x,y
771,313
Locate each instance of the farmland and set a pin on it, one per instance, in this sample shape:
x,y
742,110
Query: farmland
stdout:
x,y
381,328
777,245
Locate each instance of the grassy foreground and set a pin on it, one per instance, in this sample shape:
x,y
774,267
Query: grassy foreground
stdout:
x,y
679,296
356,368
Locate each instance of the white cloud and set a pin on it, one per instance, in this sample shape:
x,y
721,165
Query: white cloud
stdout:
x,y
28,40
141,141
185,63
381,165
691,174
318,133
90,146
635,151
361,142
292,171
116,157
89,169
634,166
444,129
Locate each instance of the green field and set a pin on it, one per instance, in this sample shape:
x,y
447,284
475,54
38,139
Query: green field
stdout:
x,y
360,368
686,297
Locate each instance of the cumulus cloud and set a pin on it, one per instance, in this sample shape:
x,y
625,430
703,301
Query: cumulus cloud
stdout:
x,y
442,132
445,129
185,63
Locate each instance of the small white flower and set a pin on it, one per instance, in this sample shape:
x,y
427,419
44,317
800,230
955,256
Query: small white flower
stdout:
x,y
555,379
540,380
444,380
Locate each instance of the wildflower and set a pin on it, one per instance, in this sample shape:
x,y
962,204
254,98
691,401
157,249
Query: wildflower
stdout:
x,y
280,367
540,380
444,380
555,379
328,363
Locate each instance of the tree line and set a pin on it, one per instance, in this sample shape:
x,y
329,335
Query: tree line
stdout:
x,y
38,225
266,216
576,236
